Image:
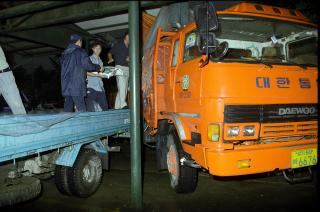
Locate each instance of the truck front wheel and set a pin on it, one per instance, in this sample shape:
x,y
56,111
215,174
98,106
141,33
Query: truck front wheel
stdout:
x,y
183,179
85,177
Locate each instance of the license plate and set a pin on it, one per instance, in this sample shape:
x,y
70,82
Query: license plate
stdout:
x,y
303,158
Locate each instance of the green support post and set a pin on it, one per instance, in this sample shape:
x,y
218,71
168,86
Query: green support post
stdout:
x,y
135,129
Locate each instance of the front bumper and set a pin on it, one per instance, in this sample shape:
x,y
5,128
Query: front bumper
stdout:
x,y
266,158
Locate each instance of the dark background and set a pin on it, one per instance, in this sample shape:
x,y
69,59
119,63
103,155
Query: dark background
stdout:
x,y
42,84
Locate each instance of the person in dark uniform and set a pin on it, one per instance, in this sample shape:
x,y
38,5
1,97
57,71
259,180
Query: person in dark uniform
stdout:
x,y
75,63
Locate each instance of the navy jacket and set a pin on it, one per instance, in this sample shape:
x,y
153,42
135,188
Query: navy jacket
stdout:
x,y
75,62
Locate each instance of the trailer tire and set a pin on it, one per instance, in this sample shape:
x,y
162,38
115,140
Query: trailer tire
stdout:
x,y
85,176
23,189
183,179
61,179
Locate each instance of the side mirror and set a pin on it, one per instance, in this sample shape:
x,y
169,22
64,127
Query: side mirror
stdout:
x,y
219,49
200,13
203,41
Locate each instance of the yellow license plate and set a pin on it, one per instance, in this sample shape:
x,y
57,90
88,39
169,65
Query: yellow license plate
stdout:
x,y
303,157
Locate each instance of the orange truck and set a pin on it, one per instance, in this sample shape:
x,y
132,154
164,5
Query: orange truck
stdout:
x,y
233,93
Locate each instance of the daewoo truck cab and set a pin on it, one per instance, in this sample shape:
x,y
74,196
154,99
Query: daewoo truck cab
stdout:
x,y
234,93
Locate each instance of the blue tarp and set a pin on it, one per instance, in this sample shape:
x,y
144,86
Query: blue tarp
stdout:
x,y
23,135
17,125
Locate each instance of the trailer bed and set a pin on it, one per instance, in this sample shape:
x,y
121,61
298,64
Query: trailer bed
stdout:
x,y
25,135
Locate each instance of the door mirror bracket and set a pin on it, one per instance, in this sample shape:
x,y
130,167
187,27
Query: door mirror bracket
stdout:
x,y
206,21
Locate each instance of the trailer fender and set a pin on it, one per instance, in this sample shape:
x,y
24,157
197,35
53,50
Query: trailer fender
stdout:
x,y
69,154
97,146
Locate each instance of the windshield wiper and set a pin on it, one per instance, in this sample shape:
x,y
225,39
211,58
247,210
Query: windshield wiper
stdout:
x,y
259,61
304,66
263,62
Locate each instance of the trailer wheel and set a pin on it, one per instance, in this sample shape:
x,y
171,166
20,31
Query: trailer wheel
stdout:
x,y
61,179
85,176
183,179
20,190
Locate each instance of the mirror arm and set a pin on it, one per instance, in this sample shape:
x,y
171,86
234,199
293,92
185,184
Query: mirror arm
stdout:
x,y
207,31
204,62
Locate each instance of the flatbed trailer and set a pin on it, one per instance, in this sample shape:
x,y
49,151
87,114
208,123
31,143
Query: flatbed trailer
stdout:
x,y
71,146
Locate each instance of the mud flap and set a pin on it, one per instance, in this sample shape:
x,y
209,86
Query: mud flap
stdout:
x,y
69,154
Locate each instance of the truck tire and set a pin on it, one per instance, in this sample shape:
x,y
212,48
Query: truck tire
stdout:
x,y
23,189
163,127
61,179
161,152
161,141
85,176
183,179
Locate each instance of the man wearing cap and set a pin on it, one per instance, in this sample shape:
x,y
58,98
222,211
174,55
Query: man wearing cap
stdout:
x,y
8,87
75,63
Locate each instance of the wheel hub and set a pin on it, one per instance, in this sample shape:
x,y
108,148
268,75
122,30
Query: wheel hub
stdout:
x,y
88,171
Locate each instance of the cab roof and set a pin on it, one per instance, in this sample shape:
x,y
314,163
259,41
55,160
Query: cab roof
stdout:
x,y
266,11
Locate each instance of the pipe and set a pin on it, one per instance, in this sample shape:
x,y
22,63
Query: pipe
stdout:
x,y
135,128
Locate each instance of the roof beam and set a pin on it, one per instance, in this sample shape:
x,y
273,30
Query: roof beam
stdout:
x,y
72,13
26,48
32,7
107,26
5,45
56,36
15,41
45,53
109,29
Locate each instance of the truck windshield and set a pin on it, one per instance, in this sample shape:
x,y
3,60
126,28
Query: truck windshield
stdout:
x,y
253,39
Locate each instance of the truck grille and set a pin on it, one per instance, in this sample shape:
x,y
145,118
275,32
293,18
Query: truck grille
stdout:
x,y
285,129
277,113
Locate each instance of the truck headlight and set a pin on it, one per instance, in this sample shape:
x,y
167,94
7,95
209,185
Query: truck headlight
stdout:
x,y
249,131
233,131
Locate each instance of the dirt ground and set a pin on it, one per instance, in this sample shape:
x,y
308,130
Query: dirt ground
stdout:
x,y
266,192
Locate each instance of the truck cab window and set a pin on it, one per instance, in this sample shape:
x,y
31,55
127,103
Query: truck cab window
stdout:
x,y
254,39
304,51
191,49
175,53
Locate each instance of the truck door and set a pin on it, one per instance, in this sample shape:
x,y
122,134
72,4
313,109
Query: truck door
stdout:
x,y
188,76
159,95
